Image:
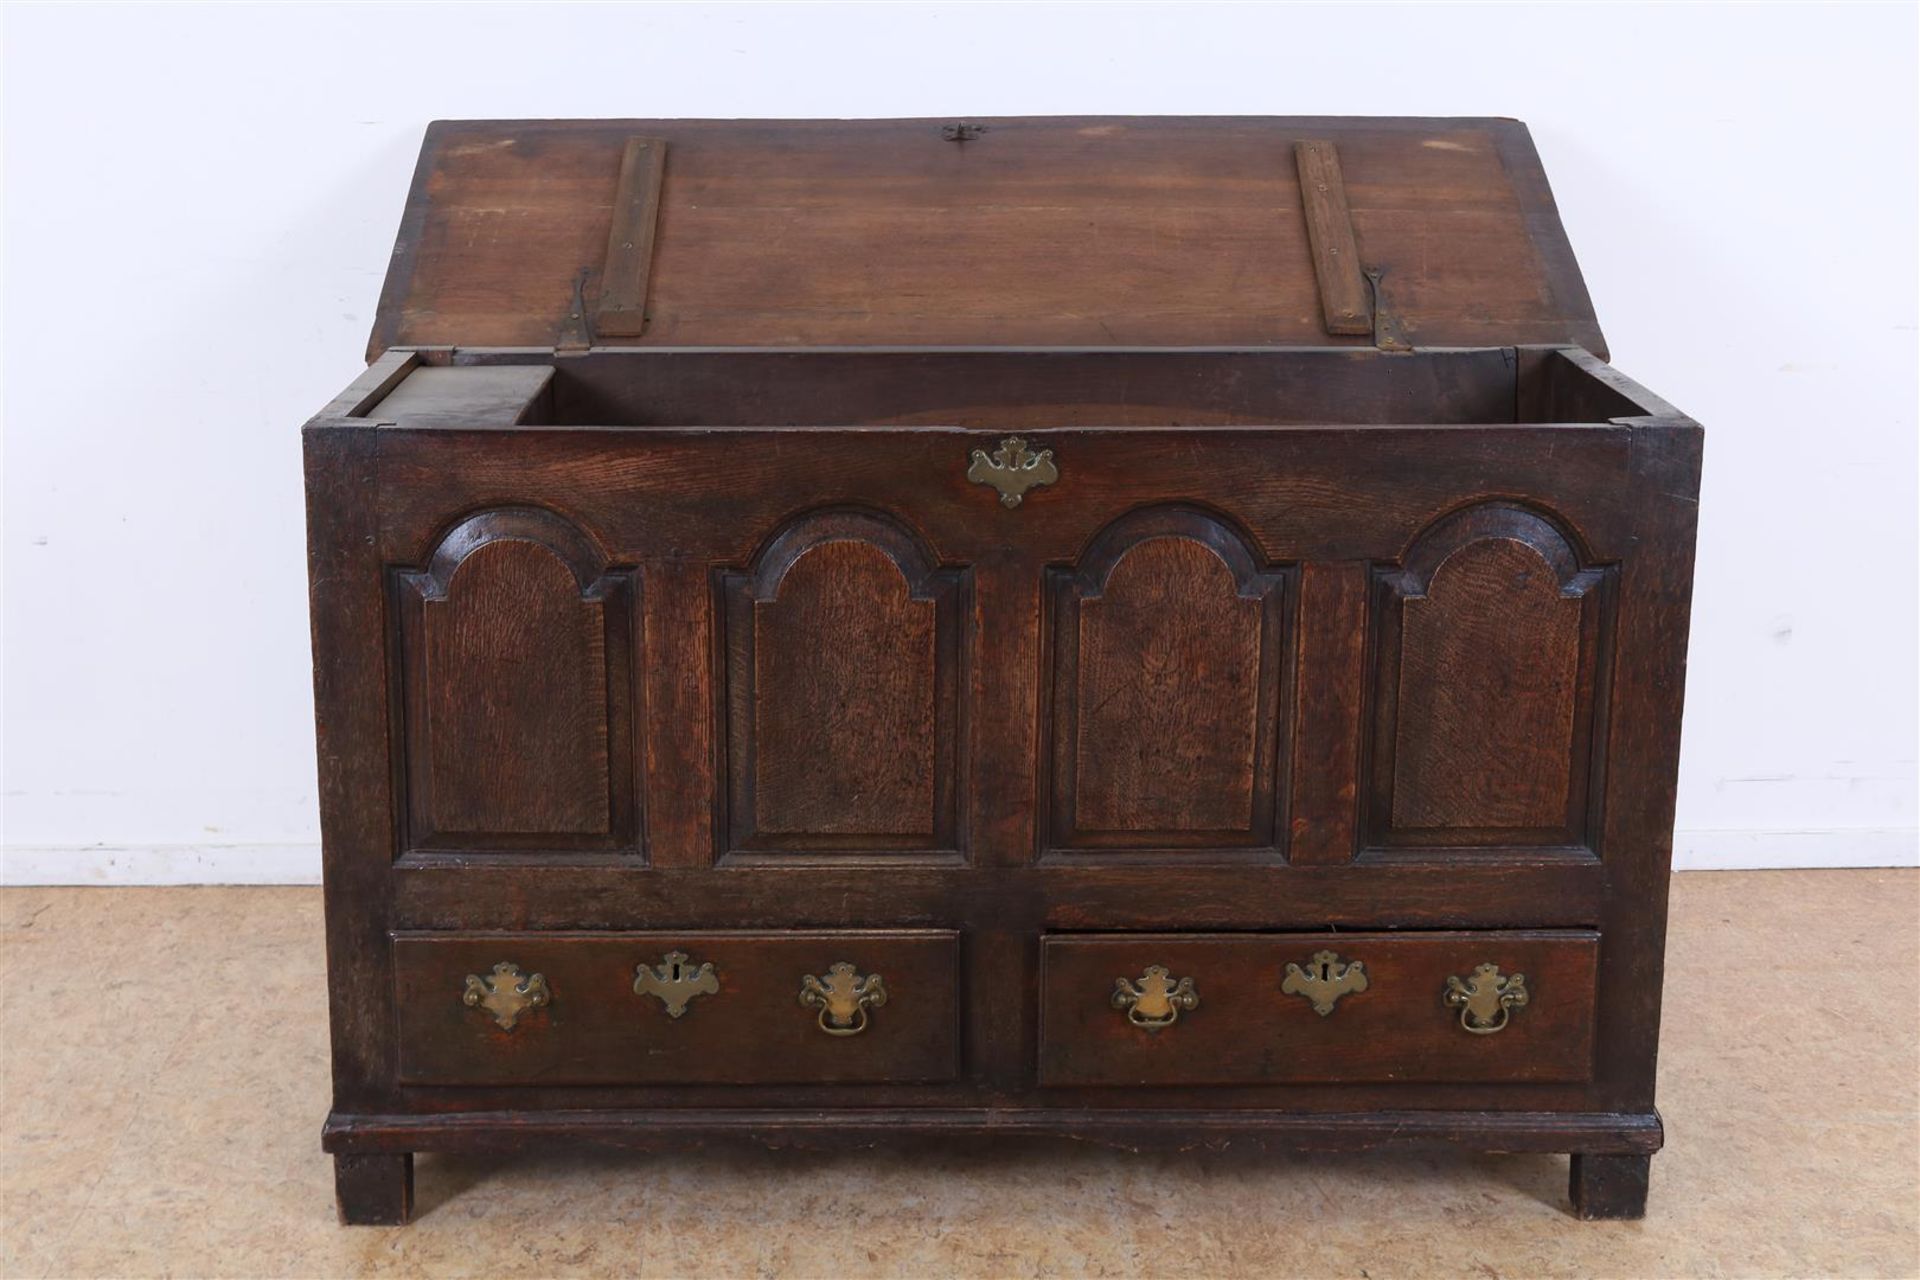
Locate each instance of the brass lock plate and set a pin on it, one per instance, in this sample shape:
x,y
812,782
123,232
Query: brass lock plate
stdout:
x,y
675,981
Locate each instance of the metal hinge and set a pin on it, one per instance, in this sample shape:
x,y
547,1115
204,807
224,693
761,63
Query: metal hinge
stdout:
x,y
575,334
1386,331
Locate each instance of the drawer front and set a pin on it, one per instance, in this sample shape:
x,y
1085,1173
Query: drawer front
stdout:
x,y
1225,1009
773,1009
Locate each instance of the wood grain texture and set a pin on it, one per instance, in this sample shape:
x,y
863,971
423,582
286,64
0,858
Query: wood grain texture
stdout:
x,y
1134,1128
1168,691
630,238
1082,231
515,676
1346,303
844,671
1490,659
596,1030
1411,627
517,690
843,679
1643,738
1330,687
1167,652
504,394
1325,493
1034,390
1246,1030
347,594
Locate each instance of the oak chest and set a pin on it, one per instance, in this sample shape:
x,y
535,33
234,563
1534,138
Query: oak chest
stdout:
x,y
1164,632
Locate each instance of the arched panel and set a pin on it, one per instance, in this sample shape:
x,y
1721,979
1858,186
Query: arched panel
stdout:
x,y
1166,692
844,667
1489,653
518,691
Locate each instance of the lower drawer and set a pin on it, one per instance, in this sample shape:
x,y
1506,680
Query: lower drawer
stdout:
x,y
1183,1009
643,1008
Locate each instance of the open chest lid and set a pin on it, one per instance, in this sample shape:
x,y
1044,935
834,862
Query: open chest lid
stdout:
x,y
1026,232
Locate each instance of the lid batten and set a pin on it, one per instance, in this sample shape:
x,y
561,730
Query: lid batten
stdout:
x,y
1090,232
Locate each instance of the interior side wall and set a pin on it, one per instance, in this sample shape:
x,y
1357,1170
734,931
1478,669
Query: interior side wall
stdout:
x,y
1010,390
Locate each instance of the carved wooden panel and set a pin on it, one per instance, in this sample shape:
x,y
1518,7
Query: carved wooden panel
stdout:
x,y
1167,691
843,665
1488,687
518,692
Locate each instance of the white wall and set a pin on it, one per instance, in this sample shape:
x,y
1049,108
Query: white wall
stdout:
x,y
200,204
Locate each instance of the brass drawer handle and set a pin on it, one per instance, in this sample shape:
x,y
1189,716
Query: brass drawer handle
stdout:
x,y
1324,980
505,993
1486,1000
843,999
1155,1001
675,981
1012,469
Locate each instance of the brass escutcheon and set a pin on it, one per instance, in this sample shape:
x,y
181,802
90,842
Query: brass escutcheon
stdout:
x,y
505,993
1012,469
1324,980
675,980
1155,1001
1486,1000
843,999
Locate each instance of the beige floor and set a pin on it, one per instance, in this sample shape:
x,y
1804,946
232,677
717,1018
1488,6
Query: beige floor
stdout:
x,y
165,1075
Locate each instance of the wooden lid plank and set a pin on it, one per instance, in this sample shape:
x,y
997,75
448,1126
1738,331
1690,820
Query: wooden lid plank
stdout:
x,y
1081,232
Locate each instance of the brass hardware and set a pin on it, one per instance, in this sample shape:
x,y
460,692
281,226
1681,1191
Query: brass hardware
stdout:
x,y
1486,999
1013,469
1325,979
505,993
843,999
1156,1000
675,981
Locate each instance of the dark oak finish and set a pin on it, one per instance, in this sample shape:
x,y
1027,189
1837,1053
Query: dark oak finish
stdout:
x,y
636,215
1032,390
1134,1128
517,672
843,664
1166,232
595,1029
1609,1186
1345,301
1489,653
1246,1030
374,1190
1166,690
1329,688
654,611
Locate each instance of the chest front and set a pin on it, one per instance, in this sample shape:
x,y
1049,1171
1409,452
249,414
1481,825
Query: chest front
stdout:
x,y
1149,631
